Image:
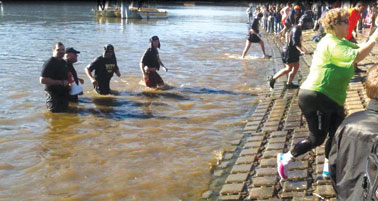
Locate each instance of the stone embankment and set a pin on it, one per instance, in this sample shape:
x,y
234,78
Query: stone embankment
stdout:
x,y
247,170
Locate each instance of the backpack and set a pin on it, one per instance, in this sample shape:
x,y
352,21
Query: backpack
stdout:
x,y
370,183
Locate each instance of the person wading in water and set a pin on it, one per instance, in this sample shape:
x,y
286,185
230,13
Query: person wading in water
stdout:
x,y
150,63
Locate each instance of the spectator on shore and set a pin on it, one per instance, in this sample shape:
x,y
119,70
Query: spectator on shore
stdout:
x,y
150,64
290,56
104,66
55,78
249,12
294,16
71,57
256,12
285,15
352,144
254,37
270,25
264,19
354,17
371,18
316,38
277,20
317,10
322,95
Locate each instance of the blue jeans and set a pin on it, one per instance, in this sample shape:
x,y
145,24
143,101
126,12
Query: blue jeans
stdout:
x,y
277,27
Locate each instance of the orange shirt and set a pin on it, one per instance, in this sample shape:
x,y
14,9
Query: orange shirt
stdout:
x,y
353,19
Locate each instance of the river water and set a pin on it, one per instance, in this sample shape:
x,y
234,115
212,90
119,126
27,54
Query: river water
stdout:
x,y
141,144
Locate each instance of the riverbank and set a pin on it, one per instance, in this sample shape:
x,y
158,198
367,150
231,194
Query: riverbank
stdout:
x,y
247,169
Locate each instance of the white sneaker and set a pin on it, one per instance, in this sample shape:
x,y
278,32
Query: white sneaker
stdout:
x,y
282,166
325,172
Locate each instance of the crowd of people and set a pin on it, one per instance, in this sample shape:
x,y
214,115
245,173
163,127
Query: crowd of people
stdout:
x,y
277,18
322,95
288,20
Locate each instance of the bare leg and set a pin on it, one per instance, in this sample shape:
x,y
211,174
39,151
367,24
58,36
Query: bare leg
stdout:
x,y
283,71
247,46
293,72
262,47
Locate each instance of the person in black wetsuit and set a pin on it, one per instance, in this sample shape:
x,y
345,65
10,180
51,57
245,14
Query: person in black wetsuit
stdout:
x,y
254,37
71,57
55,78
104,66
150,63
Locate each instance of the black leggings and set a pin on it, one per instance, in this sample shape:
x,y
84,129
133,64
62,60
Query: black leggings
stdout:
x,y
323,116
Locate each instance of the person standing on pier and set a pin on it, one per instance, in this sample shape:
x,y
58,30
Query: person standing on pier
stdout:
x,y
322,95
150,63
291,53
55,78
249,12
104,66
254,37
354,17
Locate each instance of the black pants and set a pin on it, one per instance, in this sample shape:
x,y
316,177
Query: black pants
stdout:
x,y
323,116
56,102
103,87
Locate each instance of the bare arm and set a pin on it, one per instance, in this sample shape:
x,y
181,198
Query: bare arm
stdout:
x,y
117,73
300,48
81,80
49,82
364,50
141,65
252,31
161,63
91,78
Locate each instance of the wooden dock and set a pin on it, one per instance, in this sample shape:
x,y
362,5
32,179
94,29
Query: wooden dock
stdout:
x,y
247,170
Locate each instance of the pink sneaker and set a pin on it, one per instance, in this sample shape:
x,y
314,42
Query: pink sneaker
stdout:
x,y
281,166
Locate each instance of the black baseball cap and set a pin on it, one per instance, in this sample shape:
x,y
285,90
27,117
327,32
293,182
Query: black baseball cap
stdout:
x,y
72,50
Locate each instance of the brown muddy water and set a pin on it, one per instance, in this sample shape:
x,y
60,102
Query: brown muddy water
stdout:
x,y
141,144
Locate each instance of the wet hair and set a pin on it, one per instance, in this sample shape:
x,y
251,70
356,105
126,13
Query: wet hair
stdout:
x,y
107,48
153,38
332,18
57,44
372,83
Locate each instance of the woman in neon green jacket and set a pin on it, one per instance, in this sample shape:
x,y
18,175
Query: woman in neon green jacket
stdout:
x,y
322,95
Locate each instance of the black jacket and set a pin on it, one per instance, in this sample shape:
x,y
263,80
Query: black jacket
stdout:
x,y
351,145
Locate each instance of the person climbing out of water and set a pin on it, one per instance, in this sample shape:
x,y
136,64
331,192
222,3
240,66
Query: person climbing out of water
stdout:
x,y
150,63
104,66
291,53
254,37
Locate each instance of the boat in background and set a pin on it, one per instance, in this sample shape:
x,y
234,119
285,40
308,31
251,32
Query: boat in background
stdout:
x,y
150,13
113,9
